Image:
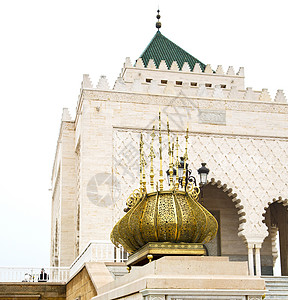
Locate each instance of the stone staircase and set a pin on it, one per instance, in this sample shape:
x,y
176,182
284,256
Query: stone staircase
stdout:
x,y
277,287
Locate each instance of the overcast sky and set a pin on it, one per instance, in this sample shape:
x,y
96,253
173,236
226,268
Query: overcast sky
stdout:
x,y
46,46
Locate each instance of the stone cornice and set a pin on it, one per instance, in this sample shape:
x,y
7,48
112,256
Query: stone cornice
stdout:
x,y
184,101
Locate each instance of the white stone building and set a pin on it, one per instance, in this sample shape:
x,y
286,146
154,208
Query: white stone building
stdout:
x,y
241,134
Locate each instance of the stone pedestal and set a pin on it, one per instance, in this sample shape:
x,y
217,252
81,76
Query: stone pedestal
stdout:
x,y
156,250
186,277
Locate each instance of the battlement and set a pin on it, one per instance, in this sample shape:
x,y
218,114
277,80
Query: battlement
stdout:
x,y
182,74
176,82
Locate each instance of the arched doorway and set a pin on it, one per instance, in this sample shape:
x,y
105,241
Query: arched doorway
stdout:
x,y
276,219
219,203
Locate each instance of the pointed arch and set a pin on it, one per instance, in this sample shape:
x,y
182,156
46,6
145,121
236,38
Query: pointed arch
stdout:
x,y
238,203
276,214
222,201
280,200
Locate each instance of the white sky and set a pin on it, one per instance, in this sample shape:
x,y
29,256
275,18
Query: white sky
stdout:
x,y
45,48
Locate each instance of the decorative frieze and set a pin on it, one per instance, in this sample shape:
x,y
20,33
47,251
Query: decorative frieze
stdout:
x,y
198,102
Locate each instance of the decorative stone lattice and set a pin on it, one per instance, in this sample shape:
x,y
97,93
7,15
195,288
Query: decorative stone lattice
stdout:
x,y
256,169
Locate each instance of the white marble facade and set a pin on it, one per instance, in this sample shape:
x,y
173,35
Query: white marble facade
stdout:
x,y
240,133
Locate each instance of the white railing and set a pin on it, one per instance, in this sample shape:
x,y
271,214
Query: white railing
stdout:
x,y
31,274
95,251
98,251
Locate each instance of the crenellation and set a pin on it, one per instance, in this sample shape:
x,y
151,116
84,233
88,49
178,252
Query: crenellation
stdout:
x,y
120,85
197,68
265,96
151,64
66,117
174,66
127,63
86,83
139,63
280,97
208,69
195,78
163,65
219,70
186,67
248,94
241,72
103,83
230,71
184,88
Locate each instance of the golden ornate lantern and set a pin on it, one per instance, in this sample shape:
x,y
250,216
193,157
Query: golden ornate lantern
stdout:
x,y
164,222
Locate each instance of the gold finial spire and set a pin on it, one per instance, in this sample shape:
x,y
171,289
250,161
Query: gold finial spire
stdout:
x,y
185,158
186,146
170,157
158,23
143,169
160,154
152,156
142,166
140,161
172,153
177,164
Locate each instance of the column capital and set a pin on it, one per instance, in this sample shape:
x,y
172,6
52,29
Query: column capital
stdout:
x,y
258,245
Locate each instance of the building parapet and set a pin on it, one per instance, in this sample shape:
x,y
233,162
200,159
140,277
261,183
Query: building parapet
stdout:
x,y
184,88
32,274
98,251
95,251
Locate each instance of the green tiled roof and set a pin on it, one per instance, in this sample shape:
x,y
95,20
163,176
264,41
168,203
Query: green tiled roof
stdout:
x,y
161,48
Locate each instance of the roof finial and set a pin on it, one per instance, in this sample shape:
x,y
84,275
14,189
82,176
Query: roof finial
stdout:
x,y
158,23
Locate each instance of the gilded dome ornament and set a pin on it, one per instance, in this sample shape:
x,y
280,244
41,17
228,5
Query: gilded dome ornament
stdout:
x,y
161,218
158,23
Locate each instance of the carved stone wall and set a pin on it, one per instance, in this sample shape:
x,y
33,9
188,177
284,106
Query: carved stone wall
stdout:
x,y
254,168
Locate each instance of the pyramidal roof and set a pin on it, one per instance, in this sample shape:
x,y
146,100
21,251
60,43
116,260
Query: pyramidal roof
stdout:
x,y
161,48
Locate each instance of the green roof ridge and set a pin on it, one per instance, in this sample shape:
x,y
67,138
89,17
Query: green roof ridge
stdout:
x,y
161,48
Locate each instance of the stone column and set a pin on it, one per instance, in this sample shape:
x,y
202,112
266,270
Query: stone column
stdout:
x,y
258,259
250,258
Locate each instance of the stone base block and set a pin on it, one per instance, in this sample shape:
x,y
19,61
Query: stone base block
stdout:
x,y
186,277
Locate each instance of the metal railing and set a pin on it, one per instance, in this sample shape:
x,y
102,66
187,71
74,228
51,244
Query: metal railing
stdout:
x,y
95,251
98,251
32,274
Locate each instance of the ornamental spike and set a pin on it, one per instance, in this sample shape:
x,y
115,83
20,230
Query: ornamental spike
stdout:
x,y
170,157
143,163
152,156
185,158
160,152
140,165
177,164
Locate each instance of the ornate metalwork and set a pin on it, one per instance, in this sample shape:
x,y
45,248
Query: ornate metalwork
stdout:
x,y
133,198
173,215
161,179
165,216
152,156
